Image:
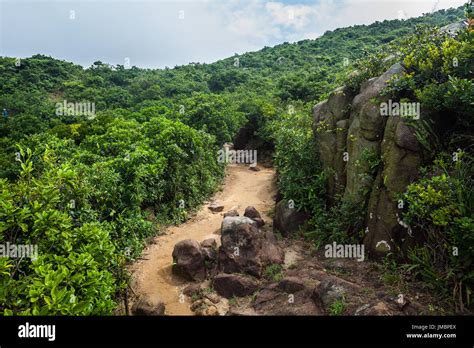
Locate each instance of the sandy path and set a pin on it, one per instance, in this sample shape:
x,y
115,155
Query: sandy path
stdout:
x,y
152,277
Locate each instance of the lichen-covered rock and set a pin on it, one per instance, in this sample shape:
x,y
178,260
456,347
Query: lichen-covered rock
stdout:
x,y
330,122
365,136
240,246
373,157
331,289
400,168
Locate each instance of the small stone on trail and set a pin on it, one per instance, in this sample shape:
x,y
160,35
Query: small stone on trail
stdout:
x,y
254,168
216,207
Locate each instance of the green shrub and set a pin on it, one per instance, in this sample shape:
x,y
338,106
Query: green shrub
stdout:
x,y
71,274
439,210
300,177
273,272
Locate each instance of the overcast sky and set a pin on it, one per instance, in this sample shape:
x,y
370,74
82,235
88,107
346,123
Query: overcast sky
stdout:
x,y
156,33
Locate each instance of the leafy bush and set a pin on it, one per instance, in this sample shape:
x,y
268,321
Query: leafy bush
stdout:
x,y
71,272
439,210
300,177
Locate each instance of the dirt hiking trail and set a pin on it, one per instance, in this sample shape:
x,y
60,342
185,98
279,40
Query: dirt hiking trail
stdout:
x,y
151,275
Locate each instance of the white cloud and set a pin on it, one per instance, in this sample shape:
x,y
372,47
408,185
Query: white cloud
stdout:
x,y
296,16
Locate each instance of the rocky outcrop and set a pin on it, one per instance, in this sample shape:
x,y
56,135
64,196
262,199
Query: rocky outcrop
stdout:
x,y
252,213
401,158
454,29
371,158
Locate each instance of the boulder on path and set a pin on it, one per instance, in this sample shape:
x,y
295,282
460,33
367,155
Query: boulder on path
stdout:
x,y
287,219
230,285
244,249
253,214
216,207
147,307
209,249
230,223
240,246
188,260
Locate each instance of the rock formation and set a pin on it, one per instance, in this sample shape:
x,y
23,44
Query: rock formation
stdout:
x,y
372,158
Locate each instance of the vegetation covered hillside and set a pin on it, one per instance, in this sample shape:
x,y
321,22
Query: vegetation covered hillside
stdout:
x,y
89,185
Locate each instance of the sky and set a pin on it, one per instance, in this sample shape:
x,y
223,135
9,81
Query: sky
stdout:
x,y
160,33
